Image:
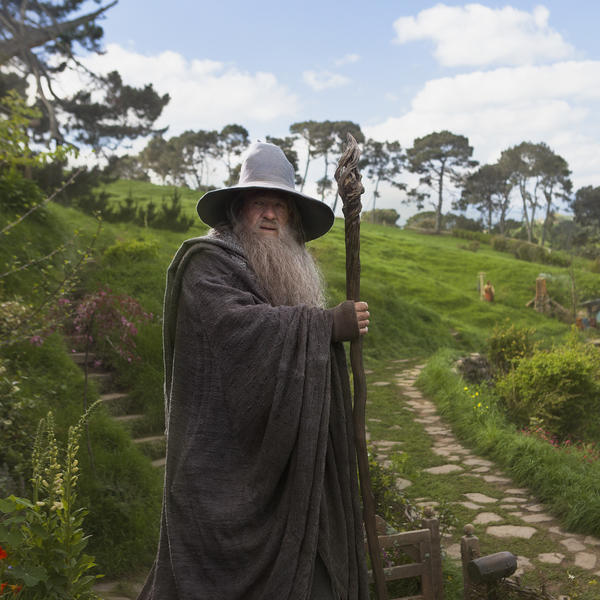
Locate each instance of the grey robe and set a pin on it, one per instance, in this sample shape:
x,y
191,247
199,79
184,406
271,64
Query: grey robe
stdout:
x,y
260,472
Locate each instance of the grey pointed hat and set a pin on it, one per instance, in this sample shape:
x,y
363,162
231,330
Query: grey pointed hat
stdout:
x,y
266,167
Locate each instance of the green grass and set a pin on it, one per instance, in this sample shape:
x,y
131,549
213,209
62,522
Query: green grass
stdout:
x,y
567,485
422,294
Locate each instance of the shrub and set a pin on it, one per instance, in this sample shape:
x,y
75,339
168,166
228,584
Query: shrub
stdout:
x,y
131,251
467,234
43,539
507,345
559,388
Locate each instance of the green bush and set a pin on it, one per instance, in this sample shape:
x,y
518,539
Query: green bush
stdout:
x,y
477,236
131,251
507,345
558,387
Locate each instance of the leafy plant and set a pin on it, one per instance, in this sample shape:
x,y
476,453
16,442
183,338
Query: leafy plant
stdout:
x,y
559,388
509,344
43,541
108,322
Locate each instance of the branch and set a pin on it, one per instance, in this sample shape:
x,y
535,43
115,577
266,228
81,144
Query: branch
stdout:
x,y
32,37
8,227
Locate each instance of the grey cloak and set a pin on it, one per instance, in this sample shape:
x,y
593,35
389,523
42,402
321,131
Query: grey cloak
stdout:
x,y
260,472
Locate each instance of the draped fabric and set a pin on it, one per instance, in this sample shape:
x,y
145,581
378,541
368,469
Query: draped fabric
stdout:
x,y
260,472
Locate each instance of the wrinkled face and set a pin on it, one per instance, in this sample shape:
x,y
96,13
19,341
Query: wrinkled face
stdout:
x,y
265,212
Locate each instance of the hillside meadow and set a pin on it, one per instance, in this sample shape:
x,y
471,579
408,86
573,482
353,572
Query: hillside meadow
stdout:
x,y
422,292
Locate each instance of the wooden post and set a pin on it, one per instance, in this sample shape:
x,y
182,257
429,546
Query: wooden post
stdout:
x,y
431,523
542,300
469,549
481,285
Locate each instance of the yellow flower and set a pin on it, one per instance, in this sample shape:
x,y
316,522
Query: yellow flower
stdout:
x,y
479,405
465,388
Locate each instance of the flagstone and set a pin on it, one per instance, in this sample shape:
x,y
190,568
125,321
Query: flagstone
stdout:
x,y
509,531
380,383
557,531
453,551
551,558
508,506
517,491
537,518
374,420
443,469
480,469
523,564
495,479
478,462
470,505
414,394
476,497
585,560
513,499
487,517
572,545
535,507
402,484
591,540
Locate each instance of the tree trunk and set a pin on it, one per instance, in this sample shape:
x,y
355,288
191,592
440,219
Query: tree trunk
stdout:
x,y
548,196
306,168
324,178
438,212
375,192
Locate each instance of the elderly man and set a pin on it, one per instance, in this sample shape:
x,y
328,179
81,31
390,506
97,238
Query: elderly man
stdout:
x,y
261,497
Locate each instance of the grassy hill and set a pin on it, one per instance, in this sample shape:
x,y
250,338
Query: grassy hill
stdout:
x,y
422,293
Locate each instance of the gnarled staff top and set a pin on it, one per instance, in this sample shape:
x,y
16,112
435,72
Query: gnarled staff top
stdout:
x,y
348,179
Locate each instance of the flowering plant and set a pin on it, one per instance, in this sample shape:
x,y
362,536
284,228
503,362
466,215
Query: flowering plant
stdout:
x,y
108,322
42,540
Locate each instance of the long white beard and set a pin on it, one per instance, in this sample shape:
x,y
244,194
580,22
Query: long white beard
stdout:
x,y
284,268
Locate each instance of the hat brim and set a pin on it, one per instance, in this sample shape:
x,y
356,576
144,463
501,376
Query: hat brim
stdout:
x,y
317,218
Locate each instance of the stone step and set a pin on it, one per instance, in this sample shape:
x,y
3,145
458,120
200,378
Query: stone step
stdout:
x,y
79,358
149,440
159,462
153,446
119,403
102,380
128,418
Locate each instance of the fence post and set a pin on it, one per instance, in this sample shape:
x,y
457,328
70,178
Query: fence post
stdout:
x,y
431,523
469,549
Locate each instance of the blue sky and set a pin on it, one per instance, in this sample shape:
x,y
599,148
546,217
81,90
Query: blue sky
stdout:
x,y
497,72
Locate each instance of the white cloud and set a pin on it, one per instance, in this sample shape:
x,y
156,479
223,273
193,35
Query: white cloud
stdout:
x,y
346,60
477,35
496,109
205,94
323,80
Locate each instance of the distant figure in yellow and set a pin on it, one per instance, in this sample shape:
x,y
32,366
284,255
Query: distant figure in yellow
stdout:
x,y
488,292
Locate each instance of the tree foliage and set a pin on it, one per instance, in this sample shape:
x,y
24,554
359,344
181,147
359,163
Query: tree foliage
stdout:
x,y
40,40
440,158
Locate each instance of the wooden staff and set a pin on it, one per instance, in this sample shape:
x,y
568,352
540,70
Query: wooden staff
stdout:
x,y
350,189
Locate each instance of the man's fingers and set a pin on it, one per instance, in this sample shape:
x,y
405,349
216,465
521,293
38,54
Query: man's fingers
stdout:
x,y
362,316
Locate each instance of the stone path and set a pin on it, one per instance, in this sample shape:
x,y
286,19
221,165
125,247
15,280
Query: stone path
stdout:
x,y
564,548
122,409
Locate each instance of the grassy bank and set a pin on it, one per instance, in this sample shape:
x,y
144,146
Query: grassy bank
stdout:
x,y
560,478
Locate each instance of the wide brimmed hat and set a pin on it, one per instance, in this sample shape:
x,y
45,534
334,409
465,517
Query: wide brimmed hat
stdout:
x,y
266,167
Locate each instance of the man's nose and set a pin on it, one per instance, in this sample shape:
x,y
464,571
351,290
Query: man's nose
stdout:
x,y
269,212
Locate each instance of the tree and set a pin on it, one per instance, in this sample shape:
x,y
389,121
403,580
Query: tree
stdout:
x,y
41,39
306,130
196,149
232,140
287,145
438,158
382,162
555,182
488,189
536,170
586,206
163,157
